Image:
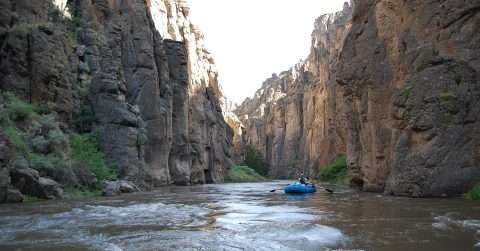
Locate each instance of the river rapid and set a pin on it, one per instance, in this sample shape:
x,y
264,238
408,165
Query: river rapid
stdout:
x,y
242,217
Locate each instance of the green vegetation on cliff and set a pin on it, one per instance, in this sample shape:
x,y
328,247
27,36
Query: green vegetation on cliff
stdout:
x,y
255,160
335,172
474,194
243,174
40,141
85,150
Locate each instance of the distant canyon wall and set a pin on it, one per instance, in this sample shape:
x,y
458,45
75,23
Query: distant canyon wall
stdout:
x,y
141,69
295,119
391,84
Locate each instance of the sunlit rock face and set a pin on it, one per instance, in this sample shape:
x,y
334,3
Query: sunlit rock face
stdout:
x,y
210,136
293,118
142,69
410,71
62,6
392,84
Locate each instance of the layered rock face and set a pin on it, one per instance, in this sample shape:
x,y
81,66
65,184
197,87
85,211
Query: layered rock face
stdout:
x,y
410,70
395,87
295,118
139,68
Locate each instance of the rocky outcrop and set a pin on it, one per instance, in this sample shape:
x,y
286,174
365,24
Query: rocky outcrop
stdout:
x,y
410,71
14,196
295,118
7,154
394,85
134,72
114,188
239,135
29,182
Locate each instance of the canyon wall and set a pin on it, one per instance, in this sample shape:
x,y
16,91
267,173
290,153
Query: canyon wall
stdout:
x,y
391,84
410,70
138,68
295,118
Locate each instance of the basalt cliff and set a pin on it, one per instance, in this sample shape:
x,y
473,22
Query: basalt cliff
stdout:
x,y
393,85
135,73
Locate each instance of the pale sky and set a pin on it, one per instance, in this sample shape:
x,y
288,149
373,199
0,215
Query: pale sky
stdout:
x,y
251,39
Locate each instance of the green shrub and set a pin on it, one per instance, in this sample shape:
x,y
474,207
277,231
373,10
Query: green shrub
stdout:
x,y
336,171
85,118
37,138
255,160
39,144
407,91
58,141
40,161
84,149
17,138
17,109
45,136
474,194
47,122
243,174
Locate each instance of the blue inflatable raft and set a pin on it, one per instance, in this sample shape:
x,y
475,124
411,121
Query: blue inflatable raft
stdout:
x,y
298,187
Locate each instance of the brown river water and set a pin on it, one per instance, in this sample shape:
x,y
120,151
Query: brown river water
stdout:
x,y
242,217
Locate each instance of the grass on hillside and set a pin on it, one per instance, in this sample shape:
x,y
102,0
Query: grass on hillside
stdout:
x,y
335,172
474,194
239,174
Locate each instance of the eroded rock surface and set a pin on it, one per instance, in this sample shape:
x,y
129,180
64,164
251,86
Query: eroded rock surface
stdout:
x,y
295,118
7,154
29,182
134,72
114,188
410,72
394,85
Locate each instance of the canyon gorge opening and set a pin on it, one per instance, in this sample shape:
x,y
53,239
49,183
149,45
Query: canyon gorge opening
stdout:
x,y
111,97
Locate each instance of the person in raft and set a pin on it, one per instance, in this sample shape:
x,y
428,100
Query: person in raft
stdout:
x,y
305,181
302,180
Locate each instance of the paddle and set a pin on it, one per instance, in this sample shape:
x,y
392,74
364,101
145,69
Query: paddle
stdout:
x,y
328,190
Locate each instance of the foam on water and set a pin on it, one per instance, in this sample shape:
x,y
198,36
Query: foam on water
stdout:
x,y
81,224
447,222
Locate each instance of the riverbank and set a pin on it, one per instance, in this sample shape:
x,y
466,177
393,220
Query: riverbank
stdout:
x,y
241,174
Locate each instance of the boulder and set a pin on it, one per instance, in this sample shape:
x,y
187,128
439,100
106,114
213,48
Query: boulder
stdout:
x,y
4,181
50,189
114,188
7,155
62,175
14,196
29,182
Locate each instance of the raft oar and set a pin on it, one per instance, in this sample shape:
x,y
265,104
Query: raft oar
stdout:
x,y
328,190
